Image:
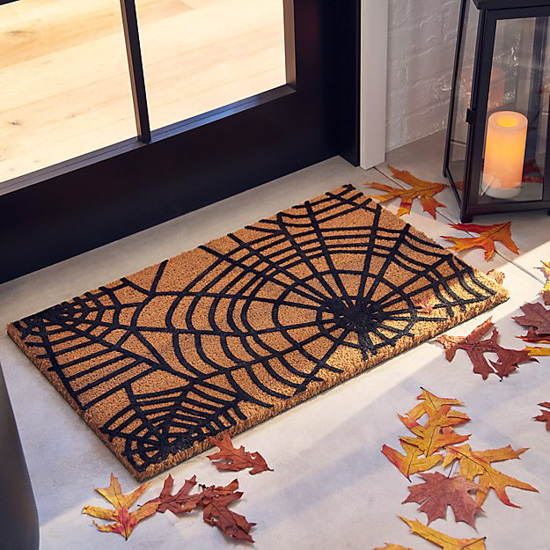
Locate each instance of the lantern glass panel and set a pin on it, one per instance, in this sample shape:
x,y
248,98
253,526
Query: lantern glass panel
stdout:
x,y
514,154
462,96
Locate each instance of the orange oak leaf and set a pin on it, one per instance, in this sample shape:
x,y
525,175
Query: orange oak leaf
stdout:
x,y
229,458
410,463
488,235
125,520
444,541
180,503
215,502
419,189
432,403
478,463
476,347
439,491
536,317
432,436
544,415
545,292
444,417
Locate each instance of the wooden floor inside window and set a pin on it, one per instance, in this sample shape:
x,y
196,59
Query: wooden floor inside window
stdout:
x,y
64,83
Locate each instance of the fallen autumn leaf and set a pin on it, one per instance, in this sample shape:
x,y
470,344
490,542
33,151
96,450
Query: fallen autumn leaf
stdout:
x,y
488,235
124,520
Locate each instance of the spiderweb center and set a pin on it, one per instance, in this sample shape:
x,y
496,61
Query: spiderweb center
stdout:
x,y
357,315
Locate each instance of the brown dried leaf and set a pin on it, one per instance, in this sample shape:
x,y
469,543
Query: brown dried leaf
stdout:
x,y
180,503
475,346
544,415
215,502
532,338
229,458
536,317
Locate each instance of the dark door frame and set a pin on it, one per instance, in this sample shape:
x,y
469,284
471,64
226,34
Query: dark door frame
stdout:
x,y
81,204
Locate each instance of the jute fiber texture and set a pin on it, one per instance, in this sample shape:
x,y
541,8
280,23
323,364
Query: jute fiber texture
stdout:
x,y
231,333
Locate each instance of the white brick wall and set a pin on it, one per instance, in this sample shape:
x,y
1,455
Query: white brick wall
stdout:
x,y
421,45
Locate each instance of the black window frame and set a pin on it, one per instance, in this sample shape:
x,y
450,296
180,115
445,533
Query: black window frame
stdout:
x,y
94,199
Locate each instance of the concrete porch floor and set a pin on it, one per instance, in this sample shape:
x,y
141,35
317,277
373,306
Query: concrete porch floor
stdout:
x,y
331,487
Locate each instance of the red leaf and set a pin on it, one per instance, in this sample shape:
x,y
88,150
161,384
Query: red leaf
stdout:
x,y
534,339
438,491
475,346
182,501
535,316
215,501
544,416
229,458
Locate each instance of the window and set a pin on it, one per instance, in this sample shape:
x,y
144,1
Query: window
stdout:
x,y
64,78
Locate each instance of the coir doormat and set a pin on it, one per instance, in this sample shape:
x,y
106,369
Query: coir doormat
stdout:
x,y
233,332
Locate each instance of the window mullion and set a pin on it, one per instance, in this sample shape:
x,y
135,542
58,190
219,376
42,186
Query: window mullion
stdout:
x,y
135,64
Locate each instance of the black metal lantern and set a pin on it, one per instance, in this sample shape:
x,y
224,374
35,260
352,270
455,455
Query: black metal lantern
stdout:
x,y
497,153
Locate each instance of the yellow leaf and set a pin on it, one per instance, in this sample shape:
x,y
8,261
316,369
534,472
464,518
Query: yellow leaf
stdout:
x,y
546,290
410,462
433,436
478,463
537,351
419,189
431,403
125,520
114,495
444,541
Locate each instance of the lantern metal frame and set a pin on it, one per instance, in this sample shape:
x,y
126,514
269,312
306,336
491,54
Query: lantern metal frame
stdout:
x,y
490,13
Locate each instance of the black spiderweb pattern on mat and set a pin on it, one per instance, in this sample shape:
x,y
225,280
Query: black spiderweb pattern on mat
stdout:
x,y
304,320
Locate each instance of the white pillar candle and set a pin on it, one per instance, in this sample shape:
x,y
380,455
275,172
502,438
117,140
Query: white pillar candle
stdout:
x,y
504,154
